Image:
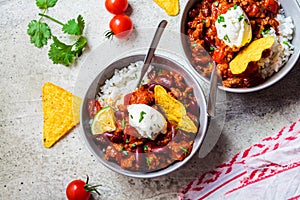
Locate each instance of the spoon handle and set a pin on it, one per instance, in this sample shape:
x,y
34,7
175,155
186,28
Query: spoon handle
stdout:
x,y
211,104
152,49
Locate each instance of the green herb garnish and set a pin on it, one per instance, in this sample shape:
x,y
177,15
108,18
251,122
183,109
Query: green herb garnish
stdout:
x,y
216,3
142,116
148,161
131,116
241,17
235,6
184,150
226,38
287,44
123,123
40,33
146,148
220,19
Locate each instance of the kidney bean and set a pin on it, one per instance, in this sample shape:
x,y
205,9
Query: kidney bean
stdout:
x,y
151,86
119,114
206,12
159,149
139,156
164,81
209,42
93,107
174,132
101,140
193,107
113,137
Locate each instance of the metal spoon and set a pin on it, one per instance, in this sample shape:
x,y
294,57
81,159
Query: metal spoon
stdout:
x,y
211,104
152,48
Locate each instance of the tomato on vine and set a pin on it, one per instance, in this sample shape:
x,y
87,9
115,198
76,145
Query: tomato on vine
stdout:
x,y
80,190
120,26
116,6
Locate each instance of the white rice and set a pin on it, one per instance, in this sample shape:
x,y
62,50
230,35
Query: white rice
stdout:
x,y
124,81
281,49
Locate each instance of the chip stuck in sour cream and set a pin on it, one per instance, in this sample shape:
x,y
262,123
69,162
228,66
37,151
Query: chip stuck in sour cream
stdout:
x,y
146,120
234,27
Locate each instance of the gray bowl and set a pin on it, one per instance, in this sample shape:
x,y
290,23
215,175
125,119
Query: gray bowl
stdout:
x,y
107,73
291,8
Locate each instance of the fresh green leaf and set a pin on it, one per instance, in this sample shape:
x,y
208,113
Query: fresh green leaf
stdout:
x,y
73,27
61,53
44,4
39,33
79,45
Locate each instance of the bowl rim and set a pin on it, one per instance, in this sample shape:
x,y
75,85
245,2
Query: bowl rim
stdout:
x,y
276,77
170,168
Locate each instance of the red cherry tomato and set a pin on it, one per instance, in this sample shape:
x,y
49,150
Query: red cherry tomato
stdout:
x,y
121,26
76,191
116,6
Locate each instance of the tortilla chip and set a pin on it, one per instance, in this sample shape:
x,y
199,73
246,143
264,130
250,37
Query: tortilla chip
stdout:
x,y
251,53
61,113
174,110
170,6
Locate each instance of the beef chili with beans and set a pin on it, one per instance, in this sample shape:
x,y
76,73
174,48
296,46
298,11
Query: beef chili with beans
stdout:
x,y
127,148
203,38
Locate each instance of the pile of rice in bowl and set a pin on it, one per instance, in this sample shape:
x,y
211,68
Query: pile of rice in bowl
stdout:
x,y
228,29
149,127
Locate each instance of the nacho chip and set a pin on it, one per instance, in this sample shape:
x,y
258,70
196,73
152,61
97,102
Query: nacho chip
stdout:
x,y
251,53
174,110
61,113
170,6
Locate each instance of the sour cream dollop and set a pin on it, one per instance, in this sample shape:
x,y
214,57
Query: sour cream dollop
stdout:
x,y
234,27
146,120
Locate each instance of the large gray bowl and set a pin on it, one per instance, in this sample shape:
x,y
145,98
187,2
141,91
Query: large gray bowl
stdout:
x,y
108,73
291,8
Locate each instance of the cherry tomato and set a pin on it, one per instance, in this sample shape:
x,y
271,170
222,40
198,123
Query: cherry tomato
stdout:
x,y
121,26
116,6
76,191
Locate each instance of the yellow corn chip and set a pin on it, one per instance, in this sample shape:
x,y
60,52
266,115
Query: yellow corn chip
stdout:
x,y
61,113
251,53
170,6
174,110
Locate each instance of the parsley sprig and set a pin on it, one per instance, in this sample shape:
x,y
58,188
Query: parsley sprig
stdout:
x,y
40,33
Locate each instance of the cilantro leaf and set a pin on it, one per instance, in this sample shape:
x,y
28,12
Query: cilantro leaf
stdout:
x,y
61,53
79,45
44,4
73,27
39,33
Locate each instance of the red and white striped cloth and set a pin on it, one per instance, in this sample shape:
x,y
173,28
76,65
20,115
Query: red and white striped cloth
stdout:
x,y
269,169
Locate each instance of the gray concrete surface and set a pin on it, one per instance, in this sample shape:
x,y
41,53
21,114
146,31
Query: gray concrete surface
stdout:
x,y
29,171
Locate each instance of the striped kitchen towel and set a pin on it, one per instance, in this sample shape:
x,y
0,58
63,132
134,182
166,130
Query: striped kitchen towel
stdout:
x,y
269,169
